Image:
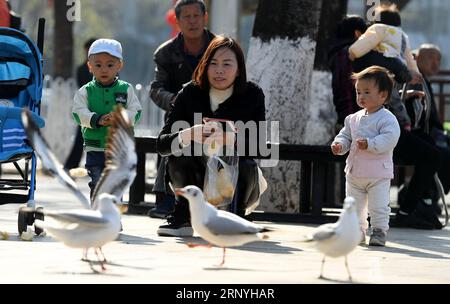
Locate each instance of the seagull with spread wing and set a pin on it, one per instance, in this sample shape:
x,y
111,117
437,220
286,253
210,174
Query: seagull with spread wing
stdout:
x,y
96,225
218,227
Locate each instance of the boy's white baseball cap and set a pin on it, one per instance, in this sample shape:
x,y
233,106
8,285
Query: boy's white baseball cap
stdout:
x,y
110,46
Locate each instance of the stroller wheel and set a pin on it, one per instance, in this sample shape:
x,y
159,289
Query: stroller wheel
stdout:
x,y
22,221
38,216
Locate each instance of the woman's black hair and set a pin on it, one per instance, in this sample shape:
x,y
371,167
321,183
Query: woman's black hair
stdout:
x,y
347,27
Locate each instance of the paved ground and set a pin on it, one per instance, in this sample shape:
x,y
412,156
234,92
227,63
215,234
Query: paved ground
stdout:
x,y
140,256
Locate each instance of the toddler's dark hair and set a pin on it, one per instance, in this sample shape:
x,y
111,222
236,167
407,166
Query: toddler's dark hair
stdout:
x,y
388,14
382,77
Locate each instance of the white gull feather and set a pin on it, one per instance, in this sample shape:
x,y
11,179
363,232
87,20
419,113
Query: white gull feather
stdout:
x,y
96,225
218,227
340,238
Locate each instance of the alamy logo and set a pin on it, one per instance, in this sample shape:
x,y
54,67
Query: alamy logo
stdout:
x,y
371,12
251,140
74,11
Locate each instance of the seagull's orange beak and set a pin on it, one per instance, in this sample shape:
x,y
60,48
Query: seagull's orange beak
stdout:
x,y
179,191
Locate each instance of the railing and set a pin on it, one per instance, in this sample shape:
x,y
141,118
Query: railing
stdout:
x,y
316,188
442,94
152,119
57,100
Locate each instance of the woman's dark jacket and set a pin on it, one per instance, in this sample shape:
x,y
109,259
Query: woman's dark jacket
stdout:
x,y
245,106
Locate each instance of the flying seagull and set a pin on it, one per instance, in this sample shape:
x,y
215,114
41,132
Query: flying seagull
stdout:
x,y
221,228
96,225
340,238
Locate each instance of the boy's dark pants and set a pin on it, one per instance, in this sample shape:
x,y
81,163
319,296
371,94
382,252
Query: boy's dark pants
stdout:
x,y
95,163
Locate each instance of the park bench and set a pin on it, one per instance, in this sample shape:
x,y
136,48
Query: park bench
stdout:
x,y
319,193
317,184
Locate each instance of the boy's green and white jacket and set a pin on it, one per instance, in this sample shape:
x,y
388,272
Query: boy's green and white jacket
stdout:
x,y
93,100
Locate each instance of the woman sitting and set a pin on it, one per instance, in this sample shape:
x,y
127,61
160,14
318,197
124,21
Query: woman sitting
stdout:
x,y
219,89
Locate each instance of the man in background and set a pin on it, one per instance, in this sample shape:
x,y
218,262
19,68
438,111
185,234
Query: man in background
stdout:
x,y
176,60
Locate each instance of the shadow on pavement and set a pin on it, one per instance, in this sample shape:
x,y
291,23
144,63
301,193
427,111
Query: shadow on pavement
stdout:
x,y
434,241
14,237
135,240
258,246
413,253
353,281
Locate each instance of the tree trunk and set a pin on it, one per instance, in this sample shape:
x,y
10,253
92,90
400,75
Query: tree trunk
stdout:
x,y
63,42
281,59
324,126
331,14
323,114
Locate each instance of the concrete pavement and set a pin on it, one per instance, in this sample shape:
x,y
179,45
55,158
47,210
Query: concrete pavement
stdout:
x,y
141,256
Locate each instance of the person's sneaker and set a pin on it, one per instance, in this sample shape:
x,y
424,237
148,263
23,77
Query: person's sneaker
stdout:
x,y
377,238
427,213
411,221
175,228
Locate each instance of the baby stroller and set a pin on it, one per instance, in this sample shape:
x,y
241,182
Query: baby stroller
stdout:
x,y
21,78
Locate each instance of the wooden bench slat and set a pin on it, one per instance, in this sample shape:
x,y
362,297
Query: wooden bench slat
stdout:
x,y
314,158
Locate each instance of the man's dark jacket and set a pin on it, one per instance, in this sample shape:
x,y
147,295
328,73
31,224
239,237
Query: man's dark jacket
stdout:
x,y
172,71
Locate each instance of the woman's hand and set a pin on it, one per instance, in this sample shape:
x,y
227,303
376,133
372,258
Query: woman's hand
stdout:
x,y
194,133
222,138
210,128
198,133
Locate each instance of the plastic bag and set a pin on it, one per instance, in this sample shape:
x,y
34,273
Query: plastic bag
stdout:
x,y
220,179
262,183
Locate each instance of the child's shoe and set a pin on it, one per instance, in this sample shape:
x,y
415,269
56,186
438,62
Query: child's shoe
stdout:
x,y
377,238
363,239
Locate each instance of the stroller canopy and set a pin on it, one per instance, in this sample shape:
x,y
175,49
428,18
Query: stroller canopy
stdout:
x,y
20,60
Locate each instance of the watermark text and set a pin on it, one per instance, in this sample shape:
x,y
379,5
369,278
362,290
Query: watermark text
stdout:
x,y
250,140
74,11
371,12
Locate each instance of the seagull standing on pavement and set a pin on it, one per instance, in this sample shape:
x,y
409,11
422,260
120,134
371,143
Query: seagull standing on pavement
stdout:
x,y
218,227
338,239
96,225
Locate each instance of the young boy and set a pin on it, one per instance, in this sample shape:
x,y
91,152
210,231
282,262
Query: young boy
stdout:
x,y
370,135
94,102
